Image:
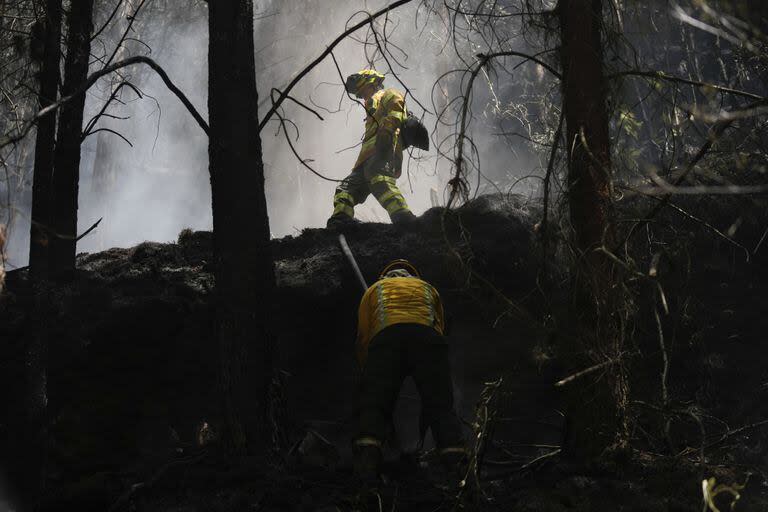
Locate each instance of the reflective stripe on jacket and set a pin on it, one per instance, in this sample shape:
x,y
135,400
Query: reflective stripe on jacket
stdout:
x,y
396,300
386,112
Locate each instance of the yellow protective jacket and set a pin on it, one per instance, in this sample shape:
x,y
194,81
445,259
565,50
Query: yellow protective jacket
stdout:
x,y
395,300
386,113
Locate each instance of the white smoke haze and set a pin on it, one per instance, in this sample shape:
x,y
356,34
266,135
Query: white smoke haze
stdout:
x,y
160,185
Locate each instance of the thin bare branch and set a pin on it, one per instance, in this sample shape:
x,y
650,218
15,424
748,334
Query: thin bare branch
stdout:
x,y
660,75
109,131
139,59
284,93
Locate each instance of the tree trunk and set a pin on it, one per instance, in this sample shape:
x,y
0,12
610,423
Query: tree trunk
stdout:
x,y
2,260
42,198
27,423
595,401
66,173
244,268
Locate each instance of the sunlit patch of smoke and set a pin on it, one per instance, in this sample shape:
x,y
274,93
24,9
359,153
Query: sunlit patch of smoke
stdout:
x,y
161,185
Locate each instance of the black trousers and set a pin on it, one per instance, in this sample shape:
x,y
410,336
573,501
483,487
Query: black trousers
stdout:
x,y
394,353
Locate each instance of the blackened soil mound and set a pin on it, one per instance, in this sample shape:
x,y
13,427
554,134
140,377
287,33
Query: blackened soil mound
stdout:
x,y
132,359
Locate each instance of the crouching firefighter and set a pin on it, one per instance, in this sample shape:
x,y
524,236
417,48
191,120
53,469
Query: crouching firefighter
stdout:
x,y
400,333
380,161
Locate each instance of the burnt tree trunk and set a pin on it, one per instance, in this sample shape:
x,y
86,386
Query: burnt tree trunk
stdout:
x,y
244,269
66,174
595,401
27,422
2,260
42,198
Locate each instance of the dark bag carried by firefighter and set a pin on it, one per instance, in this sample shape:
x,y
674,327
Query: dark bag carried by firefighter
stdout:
x,y
414,133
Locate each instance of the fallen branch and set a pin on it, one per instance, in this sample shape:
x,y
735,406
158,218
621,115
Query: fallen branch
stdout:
x,y
584,372
528,465
736,431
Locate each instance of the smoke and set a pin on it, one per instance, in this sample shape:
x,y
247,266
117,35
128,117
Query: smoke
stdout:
x,y
159,184
297,197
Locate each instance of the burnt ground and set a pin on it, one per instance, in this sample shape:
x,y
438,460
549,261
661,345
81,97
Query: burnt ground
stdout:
x,y
133,407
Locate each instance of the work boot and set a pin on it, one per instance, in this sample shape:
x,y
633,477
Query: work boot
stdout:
x,y
341,221
366,461
403,218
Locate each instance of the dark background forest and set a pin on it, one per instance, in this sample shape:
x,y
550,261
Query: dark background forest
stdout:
x,y
177,325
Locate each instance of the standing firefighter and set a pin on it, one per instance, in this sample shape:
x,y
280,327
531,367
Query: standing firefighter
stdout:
x,y
380,160
400,333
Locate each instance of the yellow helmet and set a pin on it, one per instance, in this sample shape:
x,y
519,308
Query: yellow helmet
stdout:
x,y
404,264
362,78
